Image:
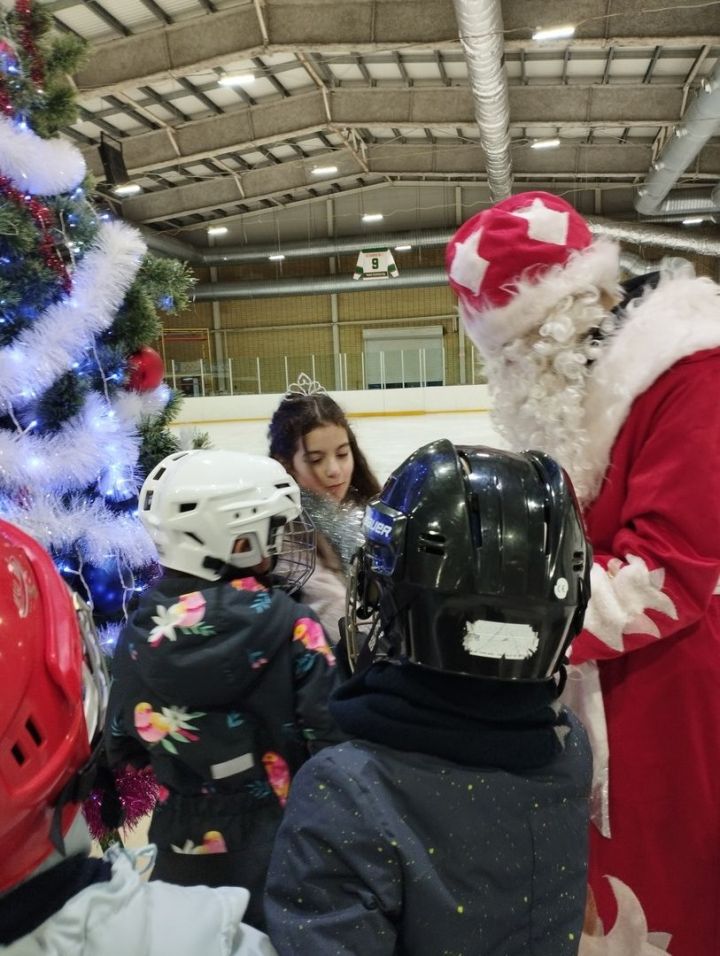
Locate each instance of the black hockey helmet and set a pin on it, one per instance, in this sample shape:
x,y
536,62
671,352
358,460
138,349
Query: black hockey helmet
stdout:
x,y
475,562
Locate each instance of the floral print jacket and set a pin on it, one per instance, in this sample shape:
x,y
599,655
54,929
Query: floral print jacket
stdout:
x,y
222,687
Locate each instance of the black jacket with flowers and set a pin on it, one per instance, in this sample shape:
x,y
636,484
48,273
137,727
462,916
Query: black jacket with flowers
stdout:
x,y
222,687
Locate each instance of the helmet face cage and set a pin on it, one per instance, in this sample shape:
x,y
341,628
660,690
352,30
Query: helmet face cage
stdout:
x,y
361,605
295,553
95,680
480,563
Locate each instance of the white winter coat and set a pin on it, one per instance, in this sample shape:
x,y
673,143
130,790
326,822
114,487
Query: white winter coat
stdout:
x,y
127,917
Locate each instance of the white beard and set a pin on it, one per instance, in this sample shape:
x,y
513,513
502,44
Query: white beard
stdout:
x,y
539,387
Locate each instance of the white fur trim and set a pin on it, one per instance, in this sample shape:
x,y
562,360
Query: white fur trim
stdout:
x,y
678,318
583,695
489,329
621,596
629,933
42,167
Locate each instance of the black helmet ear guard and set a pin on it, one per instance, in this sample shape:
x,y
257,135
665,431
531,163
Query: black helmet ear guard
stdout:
x,y
475,562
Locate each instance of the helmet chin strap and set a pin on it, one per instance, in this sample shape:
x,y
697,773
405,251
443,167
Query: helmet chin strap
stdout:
x,y
377,644
77,841
221,568
228,572
76,790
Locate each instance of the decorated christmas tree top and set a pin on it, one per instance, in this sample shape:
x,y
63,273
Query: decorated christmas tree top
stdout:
x,y
82,405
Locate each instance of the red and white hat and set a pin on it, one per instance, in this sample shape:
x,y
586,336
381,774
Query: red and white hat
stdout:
x,y
511,263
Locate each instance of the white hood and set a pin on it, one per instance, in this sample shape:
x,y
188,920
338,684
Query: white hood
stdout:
x,y
127,917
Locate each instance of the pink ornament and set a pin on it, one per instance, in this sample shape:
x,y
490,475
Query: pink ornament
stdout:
x,y
137,791
146,370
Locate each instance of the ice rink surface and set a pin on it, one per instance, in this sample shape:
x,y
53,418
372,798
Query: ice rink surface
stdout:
x,y
386,440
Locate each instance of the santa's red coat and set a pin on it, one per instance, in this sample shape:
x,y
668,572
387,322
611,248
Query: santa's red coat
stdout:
x,y
653,625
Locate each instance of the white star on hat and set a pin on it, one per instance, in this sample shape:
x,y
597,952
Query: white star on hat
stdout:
x,y
545,224
468,268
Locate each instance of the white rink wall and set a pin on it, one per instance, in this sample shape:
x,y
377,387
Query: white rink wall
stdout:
x,y
389,423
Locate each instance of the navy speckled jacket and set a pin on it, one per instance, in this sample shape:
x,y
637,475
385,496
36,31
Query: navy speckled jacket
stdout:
x,y
389,852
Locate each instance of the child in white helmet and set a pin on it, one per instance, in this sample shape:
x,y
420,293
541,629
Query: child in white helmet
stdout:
x,y
221,679
54,898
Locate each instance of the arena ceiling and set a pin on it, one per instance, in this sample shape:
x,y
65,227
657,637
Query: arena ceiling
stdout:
x,y
380,92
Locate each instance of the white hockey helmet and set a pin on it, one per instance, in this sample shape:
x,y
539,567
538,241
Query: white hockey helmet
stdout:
x,y
196,505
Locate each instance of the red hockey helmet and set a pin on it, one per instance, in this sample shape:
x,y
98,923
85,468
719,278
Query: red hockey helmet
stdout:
x,y
52,700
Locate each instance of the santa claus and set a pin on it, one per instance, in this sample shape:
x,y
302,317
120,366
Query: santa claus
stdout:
x,y
621,387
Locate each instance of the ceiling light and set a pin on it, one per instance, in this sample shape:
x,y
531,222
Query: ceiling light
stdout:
x,y
236,79
277,257
324,170
129,189
555,33
693,221
545,143
217,230
402,248
372,217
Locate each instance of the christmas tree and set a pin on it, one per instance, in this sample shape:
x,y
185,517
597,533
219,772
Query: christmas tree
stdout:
x,y
83,408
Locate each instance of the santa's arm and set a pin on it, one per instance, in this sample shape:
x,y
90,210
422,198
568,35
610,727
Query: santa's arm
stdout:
x,y
663,568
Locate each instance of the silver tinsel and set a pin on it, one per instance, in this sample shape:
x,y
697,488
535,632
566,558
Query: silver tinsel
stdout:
x,y
339,524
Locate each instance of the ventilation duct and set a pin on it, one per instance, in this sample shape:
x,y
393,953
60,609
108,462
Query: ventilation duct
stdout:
x,y
171,248
316,285
700,122
638,233
649,235
482,37
325,285
635,265
308,249
674,265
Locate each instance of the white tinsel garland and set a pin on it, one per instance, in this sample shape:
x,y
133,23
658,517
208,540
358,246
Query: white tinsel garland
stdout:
x,y
73,456
100,443
42,167
97,532
108,635
58,338
134,406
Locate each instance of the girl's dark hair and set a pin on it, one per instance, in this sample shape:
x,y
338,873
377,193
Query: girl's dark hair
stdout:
x,y
296,415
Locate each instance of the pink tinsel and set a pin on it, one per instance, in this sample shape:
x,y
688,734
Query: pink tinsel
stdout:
x,y
138,792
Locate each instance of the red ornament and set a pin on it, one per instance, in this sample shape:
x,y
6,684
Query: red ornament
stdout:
x,y
146,370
